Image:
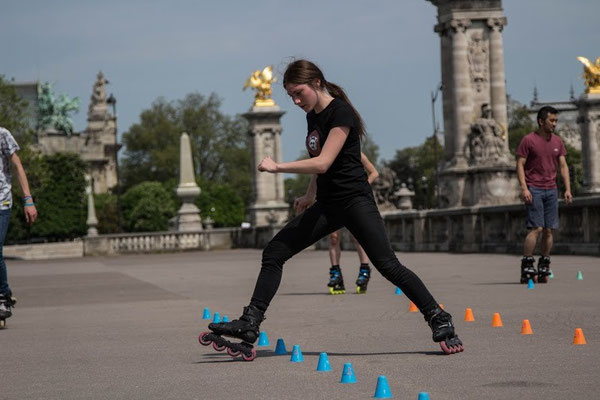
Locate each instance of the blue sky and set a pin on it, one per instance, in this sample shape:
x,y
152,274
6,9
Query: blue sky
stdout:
x,y
384,53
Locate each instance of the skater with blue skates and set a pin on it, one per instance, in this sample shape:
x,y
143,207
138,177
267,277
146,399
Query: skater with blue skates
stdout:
x,y
338,195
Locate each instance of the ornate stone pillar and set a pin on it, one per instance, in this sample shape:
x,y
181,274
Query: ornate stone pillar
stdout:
x,y
478,168
269,206
462,93
589,122
497,79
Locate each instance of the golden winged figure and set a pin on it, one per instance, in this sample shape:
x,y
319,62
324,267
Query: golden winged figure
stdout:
x,y
591,74
261,82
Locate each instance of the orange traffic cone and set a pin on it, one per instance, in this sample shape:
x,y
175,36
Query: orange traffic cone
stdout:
x,y
469,315
441,306
579,338
526,328
496,321
413,307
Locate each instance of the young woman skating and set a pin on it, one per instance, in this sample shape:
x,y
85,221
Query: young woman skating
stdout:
x,y
343,198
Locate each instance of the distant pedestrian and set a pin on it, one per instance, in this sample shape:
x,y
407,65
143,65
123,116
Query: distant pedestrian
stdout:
x,y
8,154
539,155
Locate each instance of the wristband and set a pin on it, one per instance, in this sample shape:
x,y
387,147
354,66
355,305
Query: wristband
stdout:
x,y
29,204
27,197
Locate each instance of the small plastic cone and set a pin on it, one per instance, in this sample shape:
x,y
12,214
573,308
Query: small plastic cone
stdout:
x,y
579,276
579,338
441,306
348,374
423,396
469,315
280,347
216,318
206,314
382,391
526,328
413,307
263,339
530,284
398,291
496,321
225,318
323,364
297,354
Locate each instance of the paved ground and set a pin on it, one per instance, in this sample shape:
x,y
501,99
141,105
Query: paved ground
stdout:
x,y
126,328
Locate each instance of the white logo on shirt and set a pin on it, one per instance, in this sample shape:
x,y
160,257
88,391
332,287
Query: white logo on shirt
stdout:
x,y
555,149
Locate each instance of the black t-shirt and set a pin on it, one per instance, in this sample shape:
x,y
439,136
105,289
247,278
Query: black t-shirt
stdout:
x,y
346,177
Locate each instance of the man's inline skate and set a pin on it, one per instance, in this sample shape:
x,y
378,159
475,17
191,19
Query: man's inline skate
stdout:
x,y
528,270
442,328
336,281
364,274
245,328
7,302
544,271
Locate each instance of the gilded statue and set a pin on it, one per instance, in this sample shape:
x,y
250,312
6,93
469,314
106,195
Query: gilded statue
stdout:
x,y
261,82
591,74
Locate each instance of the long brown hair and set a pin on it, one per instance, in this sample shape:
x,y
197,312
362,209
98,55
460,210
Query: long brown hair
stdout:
x,y
306,72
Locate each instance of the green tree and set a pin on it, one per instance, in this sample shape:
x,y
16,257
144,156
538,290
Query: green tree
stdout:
x,y
219,143
519,125
147,207
106,213
415,166
220,202
59,195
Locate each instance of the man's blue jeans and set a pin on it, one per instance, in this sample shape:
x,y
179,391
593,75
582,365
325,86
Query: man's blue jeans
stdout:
x,y
4,220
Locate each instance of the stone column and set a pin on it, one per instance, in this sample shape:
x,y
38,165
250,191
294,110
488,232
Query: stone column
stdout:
x,y
269,206
188,216
589,122
497,79
92,221
462,93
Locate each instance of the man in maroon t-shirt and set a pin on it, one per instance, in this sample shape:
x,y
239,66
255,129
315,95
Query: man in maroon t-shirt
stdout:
x,y
539,155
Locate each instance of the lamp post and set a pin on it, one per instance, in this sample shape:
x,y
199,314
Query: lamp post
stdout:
x,y
434,96
113,102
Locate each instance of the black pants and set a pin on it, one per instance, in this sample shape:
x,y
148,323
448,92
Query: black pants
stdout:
x,y
361,216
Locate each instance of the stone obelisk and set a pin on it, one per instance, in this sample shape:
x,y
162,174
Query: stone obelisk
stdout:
x,y
188,216
264,128
478,167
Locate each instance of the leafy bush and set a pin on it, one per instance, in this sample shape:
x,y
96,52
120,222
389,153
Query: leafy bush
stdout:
x,y
147,207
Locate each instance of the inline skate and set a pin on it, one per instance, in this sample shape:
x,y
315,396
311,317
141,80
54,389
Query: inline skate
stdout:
x,y
245,328
336,281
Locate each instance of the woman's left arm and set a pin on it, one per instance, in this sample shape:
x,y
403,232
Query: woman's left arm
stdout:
x,y
316,165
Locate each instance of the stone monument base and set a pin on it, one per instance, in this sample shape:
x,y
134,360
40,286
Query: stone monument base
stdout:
x,y
271,213
479,186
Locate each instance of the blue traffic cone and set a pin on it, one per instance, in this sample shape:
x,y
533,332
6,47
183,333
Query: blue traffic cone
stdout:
x,y
280,347
323,363
530,284
216,318
348,374
398,291
579,276
225,318
297,354
423,396
551,274
263,340
382,391
206,314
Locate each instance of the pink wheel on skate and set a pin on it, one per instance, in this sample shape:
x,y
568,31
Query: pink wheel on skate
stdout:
x,y
233,353
201,339
251,357
451,349
217,347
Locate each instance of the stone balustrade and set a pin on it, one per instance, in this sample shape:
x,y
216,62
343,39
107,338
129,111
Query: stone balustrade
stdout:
x,y
493,229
